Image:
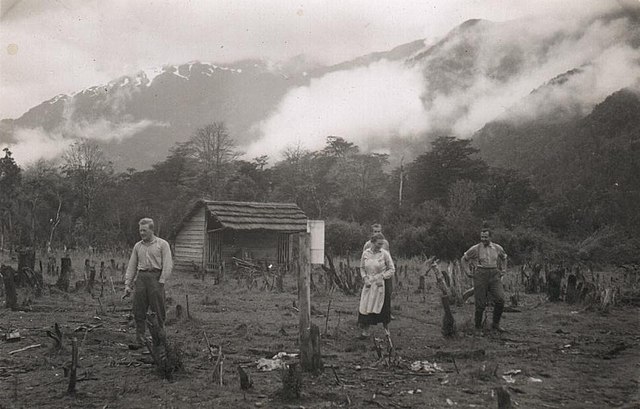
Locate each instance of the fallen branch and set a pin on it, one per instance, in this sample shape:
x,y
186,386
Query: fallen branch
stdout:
x,y
87,327
338,382
25,348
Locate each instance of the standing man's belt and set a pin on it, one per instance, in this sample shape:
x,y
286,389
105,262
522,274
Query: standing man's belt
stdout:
x,y
151,270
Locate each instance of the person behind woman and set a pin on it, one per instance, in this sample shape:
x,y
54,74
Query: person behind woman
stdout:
x,y
375,301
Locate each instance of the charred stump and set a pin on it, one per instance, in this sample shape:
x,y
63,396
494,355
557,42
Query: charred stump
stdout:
x,y
554,284
291,382
448,322
504,398
534,280
51,266
71,390
167,356
572,289
27,258
11,296
56,335
65,271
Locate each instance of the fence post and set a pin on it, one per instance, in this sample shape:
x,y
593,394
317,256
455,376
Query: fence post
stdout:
x,y
309,337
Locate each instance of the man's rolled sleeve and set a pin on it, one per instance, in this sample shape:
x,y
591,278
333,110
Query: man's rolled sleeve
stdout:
x,y
132,266
471,254
167,262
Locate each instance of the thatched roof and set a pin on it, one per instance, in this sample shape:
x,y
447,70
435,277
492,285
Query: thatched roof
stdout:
x,y
256,216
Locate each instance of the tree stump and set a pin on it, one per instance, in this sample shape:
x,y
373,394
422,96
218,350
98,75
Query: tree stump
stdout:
x,y
71,390
51,266
534,281
11,296
504,398
572,289
448,322
291,382
456,284
310,355
554,284
166,356
91,279
26,258
65,271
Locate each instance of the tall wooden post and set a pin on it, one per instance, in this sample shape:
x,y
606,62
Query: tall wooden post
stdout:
x,y
310,355
302,257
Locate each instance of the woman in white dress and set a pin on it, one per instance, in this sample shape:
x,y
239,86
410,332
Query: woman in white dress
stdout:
x,y
375,301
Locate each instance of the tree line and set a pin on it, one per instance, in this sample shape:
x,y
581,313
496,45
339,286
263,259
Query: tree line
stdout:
x,y
433,205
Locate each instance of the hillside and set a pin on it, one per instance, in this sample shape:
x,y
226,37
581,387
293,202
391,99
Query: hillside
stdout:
x,y
589,165
479,76
139,117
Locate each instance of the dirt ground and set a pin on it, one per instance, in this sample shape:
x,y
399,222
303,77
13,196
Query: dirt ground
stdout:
x,y
567,357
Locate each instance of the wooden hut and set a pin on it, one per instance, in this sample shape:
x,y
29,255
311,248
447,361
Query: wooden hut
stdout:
x,y
212,233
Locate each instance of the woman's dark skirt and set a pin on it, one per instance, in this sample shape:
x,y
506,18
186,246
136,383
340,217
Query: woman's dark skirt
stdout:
x,y
385,313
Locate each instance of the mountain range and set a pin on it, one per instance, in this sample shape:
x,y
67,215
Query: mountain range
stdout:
x,y
482,78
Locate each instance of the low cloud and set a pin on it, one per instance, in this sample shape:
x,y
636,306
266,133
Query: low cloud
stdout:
x,y
402,102
365,105
32,144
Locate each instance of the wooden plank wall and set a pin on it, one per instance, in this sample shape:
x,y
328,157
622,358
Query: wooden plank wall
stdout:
x,y
189,243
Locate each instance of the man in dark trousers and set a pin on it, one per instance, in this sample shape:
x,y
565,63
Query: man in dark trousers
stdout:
x,y
149,267
491,261
375,229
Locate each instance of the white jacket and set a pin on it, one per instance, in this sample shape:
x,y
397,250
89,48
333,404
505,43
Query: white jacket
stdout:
x,y
375,267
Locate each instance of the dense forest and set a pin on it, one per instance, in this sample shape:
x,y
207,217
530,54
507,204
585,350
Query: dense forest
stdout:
x,y
561,192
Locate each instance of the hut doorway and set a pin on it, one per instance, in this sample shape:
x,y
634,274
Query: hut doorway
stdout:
x,y
214,249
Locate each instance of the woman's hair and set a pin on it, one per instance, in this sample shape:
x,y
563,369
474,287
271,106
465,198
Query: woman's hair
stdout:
x,y
376,237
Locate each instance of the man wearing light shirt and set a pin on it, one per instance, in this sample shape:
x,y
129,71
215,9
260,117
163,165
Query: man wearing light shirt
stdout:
x,y
149,267
491,261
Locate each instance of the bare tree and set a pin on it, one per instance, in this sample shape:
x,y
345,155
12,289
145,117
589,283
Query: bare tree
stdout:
x,y
89,172
214,150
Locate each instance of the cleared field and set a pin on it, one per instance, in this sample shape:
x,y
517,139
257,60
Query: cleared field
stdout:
x,y
567,357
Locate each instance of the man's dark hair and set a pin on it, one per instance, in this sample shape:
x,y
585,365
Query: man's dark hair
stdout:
x,y
377,236
486,228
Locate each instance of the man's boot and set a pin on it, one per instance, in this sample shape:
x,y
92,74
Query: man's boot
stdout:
x,y
478,322
497,314
139,342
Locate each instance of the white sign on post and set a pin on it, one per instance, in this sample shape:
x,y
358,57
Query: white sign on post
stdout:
x,y
316,228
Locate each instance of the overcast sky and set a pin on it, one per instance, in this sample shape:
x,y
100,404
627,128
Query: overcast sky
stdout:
x,y
62,46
